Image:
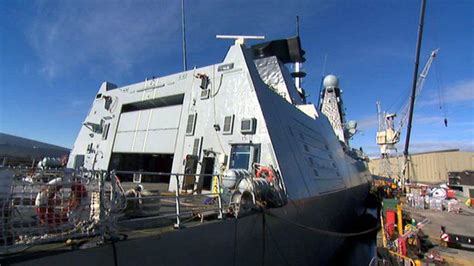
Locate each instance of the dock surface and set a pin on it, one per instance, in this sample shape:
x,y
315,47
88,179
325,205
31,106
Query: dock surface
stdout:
x,y
461,224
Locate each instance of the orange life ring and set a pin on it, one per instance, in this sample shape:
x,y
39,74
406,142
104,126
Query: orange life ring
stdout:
x,y
265,172
47,203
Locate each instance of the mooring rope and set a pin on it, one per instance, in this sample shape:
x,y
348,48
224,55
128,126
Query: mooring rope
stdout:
x,y
321,231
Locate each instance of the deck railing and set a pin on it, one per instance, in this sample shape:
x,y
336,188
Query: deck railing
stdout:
x,y
42,207
53,206
185,194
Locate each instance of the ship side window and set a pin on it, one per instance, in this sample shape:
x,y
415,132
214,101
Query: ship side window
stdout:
x,y
240,157
244,155
191,125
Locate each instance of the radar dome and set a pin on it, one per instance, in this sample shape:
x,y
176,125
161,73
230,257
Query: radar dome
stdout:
x,y
331,81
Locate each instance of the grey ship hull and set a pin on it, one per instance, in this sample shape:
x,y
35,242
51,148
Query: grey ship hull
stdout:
x,y
256,239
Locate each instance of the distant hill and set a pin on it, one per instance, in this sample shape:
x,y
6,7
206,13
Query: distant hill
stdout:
x,y
22,149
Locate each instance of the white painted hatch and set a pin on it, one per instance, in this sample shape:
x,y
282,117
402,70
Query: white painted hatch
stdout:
x,y
148,131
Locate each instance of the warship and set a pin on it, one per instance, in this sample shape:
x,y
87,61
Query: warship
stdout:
x,y
274,175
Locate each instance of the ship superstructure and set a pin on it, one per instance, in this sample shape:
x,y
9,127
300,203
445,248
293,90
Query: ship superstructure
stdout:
x,y
242,111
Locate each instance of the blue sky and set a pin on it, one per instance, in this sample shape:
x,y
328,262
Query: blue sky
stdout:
x,y
55,54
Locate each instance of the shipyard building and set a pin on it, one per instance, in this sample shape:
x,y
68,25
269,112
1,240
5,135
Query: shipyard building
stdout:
x,y
18,151
429,167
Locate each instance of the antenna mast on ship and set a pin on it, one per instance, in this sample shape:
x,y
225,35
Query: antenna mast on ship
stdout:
x,y
298,74
183,28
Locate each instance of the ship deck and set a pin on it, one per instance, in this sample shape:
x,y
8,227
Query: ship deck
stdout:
x,y
157,215
126,228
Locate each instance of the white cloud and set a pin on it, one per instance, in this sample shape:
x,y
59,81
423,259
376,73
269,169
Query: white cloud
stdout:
x,y
66,35
462,91
371,121
426,146
433,145
368,122
427,120
117,36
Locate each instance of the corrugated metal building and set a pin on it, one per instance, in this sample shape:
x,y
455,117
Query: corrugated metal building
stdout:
x,y
429,167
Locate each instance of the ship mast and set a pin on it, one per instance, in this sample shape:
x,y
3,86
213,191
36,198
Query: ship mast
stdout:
x,y
298,73
413,90
183,28
297,64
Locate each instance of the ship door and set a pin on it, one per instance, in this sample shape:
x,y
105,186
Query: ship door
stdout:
x,y
207,168
190,169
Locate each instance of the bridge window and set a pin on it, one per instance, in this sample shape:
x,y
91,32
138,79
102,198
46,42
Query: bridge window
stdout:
x,y
244,155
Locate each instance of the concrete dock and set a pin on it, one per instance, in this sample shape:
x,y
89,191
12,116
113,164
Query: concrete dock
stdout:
x,y
461,224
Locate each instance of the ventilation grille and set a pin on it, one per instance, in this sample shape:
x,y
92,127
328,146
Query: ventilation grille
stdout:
x,y
205,94
225,67
105,131
248,126
228,125
191,125
196,146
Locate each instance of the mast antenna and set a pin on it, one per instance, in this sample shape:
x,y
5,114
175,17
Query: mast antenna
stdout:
x,y
183,28
298,26
298,73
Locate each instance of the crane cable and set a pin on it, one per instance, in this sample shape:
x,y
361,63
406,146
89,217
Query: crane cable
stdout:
x,y
438,77
441,96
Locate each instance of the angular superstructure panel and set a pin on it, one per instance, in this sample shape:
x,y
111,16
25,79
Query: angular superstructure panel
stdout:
x,y
275,75
186,116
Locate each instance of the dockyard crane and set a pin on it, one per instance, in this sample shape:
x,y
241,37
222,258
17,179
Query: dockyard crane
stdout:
x,y
388,135
419,86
